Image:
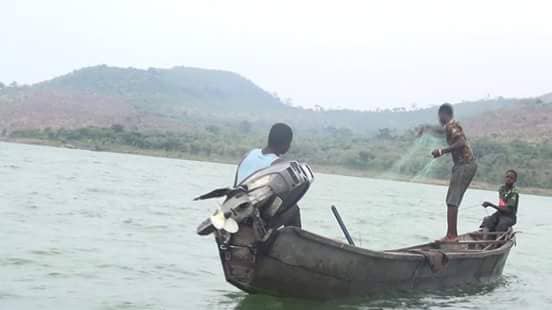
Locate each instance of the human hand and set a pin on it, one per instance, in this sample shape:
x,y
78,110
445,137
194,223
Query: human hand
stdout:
x,y
437,153
486,204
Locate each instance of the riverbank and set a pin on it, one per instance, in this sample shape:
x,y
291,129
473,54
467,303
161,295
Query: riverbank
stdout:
x,y
401,178
339,170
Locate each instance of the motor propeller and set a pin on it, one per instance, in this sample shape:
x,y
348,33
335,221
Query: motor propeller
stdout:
x,y
221,222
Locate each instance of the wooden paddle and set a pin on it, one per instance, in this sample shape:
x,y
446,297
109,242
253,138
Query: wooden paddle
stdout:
x,y
342,225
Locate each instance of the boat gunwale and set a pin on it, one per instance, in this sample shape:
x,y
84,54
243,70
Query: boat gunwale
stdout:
x,y
399,254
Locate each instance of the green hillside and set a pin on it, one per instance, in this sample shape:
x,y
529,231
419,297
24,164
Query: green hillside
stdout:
x,y
216,115
179,88
194,96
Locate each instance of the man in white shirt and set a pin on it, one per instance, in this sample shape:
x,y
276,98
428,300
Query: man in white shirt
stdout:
x,y
279,141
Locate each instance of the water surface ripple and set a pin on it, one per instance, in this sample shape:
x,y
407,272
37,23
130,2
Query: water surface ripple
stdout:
x,y
89,230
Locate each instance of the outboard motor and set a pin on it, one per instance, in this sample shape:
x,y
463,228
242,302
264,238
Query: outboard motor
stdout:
x,y
263,196
250,214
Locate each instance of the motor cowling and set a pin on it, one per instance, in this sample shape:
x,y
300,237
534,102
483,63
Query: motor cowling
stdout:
x,y
258,199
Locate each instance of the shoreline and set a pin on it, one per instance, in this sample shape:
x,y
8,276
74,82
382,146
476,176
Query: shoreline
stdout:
x,y
337,170
438,182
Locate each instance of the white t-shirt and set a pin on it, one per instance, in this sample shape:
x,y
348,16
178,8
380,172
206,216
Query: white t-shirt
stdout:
x,y
253,161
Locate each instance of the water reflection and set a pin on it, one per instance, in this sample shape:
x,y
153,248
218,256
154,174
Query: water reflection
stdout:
x,y
421,299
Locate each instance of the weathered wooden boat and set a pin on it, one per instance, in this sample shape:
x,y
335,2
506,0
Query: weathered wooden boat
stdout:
x,y
260,257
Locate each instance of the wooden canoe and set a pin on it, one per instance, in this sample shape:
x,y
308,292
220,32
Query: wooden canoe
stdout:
x,y
297,263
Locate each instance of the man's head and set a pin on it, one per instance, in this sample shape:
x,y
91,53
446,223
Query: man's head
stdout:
x,y
445,113
279,138
510,177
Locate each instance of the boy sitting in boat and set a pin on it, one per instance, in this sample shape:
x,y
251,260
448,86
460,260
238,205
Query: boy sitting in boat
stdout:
x,y
279,142
508,200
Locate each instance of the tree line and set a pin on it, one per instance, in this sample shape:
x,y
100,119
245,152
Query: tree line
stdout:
x,y
387,153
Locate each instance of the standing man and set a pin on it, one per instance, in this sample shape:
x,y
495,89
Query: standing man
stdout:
x,y
464,167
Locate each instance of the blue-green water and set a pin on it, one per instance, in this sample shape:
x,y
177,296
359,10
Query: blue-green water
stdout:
x,y
88,230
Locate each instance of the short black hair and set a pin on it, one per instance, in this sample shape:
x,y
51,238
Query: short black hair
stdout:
x,y
512,171
280,135
446,108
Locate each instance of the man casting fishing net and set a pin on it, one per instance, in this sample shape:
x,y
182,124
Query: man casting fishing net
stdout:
x,y
464,165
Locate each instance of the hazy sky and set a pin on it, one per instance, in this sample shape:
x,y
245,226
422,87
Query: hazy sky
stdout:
x,y
354,54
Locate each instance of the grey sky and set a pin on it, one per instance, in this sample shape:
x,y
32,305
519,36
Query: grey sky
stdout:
x,y
353,54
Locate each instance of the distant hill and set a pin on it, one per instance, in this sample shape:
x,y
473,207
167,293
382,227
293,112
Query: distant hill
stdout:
x,y
181,97
527,120
142,99
191,88
216,115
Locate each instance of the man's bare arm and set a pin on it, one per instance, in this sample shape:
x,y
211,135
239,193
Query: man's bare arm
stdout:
x,y
506,211
436,130
458,144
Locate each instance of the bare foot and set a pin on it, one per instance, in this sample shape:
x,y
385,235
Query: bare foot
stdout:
x,y
448,239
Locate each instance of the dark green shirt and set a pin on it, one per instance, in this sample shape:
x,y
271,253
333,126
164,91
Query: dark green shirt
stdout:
x,y
508,198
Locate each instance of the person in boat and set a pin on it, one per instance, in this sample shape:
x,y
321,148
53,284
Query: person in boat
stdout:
x,y
506,210
464,168
279,142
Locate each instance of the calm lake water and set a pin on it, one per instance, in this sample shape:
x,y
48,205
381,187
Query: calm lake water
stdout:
x,y
88,230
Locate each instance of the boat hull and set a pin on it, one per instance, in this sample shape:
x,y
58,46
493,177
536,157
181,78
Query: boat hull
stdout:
x,y
297,263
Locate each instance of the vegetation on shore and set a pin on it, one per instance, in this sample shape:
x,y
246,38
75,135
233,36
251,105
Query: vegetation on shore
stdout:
x,y
385,155
214,115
